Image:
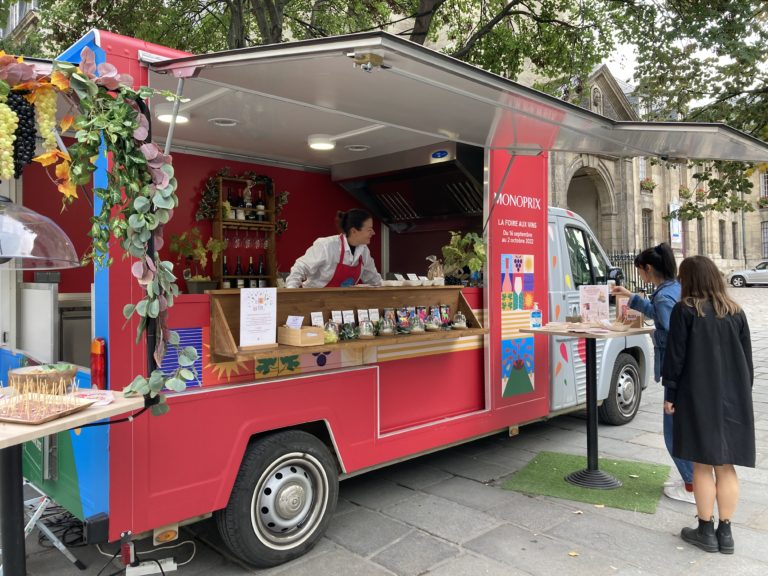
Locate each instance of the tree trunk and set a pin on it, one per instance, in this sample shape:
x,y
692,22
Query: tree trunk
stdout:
x,y
269,18
424,15
236,31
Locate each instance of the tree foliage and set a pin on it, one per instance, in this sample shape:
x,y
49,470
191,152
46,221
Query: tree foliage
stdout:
x,y
704,62
697,61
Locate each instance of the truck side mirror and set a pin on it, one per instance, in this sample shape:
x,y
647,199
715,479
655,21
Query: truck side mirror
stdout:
x,y
617,274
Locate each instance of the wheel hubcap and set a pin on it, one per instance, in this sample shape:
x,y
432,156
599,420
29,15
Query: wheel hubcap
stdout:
x,y
289,501
626,389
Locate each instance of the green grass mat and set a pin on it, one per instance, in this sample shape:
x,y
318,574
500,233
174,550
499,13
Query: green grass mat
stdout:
x,y
641,488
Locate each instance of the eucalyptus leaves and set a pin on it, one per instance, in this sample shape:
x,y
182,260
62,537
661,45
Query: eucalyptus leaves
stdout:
x,y
138,199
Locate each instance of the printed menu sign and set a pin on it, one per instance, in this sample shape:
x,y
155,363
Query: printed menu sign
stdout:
x,y
593,303
258,316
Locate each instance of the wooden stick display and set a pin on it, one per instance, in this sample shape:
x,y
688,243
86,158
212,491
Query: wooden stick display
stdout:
x,y
37,398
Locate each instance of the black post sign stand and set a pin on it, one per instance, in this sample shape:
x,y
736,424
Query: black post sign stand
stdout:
x,y
591,476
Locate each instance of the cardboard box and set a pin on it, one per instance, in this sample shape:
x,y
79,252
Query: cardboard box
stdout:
x,y
304,336
627,315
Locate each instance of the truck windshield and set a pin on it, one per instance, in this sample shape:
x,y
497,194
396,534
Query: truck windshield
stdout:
x,y
587,264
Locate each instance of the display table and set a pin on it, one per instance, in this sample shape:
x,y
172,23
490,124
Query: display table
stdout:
x,y
591,476
12,436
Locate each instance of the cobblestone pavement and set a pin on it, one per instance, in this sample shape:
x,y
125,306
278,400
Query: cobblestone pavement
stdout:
x,y
445,515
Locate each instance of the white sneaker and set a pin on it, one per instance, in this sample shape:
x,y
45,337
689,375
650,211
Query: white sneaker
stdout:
x,y
672,483
679,493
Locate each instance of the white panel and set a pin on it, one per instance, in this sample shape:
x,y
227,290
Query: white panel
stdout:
x,y
39,321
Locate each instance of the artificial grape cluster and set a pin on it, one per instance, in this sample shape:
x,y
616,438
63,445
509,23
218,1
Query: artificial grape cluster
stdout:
x,y
8,123
45,110
24,148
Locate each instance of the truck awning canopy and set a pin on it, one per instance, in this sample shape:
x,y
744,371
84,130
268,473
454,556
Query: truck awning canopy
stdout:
x,y
389,94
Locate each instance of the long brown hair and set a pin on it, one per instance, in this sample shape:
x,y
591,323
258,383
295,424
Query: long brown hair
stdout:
x,y
700,282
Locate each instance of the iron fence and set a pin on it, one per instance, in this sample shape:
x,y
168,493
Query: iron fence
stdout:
x,y
632,280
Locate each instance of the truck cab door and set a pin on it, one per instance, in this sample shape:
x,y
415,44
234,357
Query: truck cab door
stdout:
x,y
582,262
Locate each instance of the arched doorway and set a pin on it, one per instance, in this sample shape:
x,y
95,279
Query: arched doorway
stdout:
x,y
583,198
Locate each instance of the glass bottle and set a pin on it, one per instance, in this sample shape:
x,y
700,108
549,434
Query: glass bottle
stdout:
x,y
261,208
239,274
251,269
262,271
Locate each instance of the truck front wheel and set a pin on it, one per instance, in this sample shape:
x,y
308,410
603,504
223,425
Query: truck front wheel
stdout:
x,y
626,390
282,501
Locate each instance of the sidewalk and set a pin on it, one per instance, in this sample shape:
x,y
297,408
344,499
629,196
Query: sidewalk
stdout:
x,y
445,515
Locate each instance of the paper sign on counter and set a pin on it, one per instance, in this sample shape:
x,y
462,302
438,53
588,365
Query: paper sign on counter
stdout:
x,y
336,317
373,314
294,321
317,319
258,316
349,316
362,314
593,302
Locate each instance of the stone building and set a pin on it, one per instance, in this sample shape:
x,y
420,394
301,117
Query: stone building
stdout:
x,y
627,217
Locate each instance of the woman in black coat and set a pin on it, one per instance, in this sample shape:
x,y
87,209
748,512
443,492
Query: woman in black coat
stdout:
x,y
708,374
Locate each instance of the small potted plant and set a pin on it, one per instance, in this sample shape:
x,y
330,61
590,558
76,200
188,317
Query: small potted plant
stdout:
x,y
463,257
684,193
701,195
189,245
762,202
647,184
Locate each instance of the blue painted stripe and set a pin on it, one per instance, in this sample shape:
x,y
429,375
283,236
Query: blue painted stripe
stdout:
x,y
8,361
91,445
187,337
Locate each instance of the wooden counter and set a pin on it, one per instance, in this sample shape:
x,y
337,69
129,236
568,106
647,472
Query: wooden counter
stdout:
x,y
225,316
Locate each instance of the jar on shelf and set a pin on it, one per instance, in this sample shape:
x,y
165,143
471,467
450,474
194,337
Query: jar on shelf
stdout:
x,y
330,332
386,327
433,323
365,330
417,325
459,321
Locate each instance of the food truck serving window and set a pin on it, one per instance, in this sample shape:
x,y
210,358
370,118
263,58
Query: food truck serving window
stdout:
x,y
587,263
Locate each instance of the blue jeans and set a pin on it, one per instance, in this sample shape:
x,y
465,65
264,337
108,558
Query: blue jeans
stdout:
x,y
685,467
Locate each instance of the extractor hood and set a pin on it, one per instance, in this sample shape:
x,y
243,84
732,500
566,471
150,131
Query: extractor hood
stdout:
x,y
429,188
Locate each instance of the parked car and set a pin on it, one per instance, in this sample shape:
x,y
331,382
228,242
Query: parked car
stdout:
x,y
747,277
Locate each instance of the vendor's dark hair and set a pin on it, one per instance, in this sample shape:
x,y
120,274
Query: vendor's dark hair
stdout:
x,y
354,218
660,258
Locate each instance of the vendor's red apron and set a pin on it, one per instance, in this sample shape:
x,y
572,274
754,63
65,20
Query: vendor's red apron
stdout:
x,y
345,275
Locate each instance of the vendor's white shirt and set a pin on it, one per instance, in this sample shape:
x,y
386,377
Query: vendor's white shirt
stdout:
x,y
318,265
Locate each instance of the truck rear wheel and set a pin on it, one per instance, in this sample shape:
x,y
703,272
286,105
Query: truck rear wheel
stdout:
x,y
626,390
282,501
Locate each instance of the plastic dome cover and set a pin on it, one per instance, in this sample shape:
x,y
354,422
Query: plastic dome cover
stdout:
x,y
33,241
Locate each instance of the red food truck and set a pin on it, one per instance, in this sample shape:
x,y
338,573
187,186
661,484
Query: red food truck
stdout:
x,y
428,144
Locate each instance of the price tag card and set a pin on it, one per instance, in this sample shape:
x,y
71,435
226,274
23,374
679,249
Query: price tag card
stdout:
x,y
336,317
349,316
412,276
362,314
399,276
294,321
317,319
373,314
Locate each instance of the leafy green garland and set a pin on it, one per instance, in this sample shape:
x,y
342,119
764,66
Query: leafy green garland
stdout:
x,y
138,200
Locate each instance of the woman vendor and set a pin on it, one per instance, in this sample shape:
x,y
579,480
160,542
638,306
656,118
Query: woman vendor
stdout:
x,y
341,260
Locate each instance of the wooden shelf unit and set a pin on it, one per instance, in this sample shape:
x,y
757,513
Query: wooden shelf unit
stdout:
x,y
225,316
222,228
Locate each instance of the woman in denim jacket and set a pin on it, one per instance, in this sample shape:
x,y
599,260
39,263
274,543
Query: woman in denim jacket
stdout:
x,y
657,266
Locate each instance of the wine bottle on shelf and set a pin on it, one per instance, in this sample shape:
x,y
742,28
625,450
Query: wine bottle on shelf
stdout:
x,y
251,269
262,271
239,274
261,208
224,273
